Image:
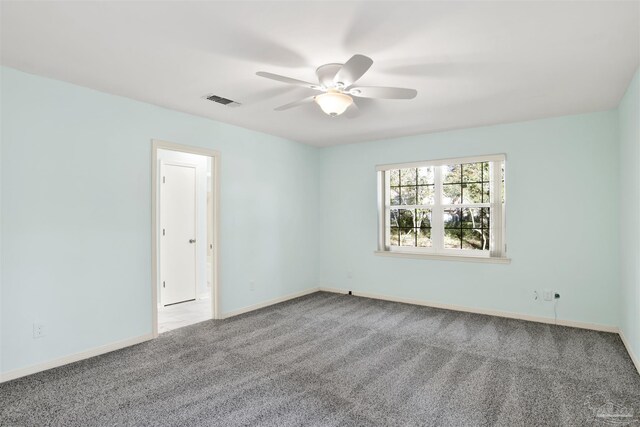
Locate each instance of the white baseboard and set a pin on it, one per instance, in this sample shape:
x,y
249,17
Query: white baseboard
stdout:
x,y
632,355
510,315
65,360
268,303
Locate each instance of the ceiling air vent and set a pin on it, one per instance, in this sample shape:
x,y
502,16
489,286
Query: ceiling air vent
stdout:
x,y
223,101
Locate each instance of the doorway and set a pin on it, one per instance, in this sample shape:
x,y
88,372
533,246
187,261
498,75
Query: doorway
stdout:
x,y
185,235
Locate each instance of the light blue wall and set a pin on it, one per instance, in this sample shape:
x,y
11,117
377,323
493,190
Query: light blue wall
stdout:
x,y
76,212
562,191
629,118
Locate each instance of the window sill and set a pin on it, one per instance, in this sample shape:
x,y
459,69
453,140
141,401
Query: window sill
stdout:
x,y
440,257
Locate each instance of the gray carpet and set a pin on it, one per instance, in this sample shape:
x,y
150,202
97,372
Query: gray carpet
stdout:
x,y
328,359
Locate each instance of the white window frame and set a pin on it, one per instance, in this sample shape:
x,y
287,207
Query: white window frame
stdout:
x,y
497,245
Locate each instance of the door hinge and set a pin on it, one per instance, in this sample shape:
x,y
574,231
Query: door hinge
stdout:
x,y
163,180
163,284
163,231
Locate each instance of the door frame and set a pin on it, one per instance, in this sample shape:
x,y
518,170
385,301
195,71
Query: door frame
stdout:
x,y
162,164
215,193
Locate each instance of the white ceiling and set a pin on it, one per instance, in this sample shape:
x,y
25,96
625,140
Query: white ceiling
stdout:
x,y
473,63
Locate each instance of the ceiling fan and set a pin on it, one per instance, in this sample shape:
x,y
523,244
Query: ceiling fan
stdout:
x,y
336,81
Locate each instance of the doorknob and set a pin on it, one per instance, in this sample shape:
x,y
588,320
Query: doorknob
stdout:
x,y
192,240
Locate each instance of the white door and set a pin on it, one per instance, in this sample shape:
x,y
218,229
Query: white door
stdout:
x,y
177,233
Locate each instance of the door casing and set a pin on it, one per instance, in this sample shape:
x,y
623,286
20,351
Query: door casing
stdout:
x,y
155,229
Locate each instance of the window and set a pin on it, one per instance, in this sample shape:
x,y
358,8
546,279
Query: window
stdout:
x,y
445,207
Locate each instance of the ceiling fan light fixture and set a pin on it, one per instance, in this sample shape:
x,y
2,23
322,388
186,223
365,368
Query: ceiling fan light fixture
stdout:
x,y
334,103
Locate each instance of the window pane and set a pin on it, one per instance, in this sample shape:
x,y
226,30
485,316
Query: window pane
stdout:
x,y
394,195
452,238
451,173
474,172
452,218
451,194
405,218
472,193
394,238
486,195
485,213
423,218
425,176
424,238
475,239
407,237
475,218
425,195
408,195
466,228
408,176
394,177
466,218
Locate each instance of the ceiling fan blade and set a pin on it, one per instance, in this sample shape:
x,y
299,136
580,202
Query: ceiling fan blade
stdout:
x,y
352,70
383,92
288,80
295,103
326,73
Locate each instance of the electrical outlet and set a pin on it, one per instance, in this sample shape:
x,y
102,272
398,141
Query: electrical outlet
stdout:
x,y
536,297
252,285
547,295
38,330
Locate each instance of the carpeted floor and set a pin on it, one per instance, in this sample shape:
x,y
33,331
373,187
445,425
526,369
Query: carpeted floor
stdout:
x,y
328,359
